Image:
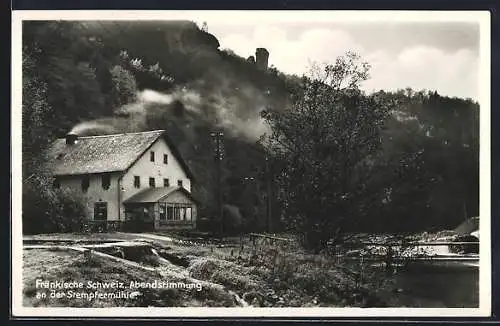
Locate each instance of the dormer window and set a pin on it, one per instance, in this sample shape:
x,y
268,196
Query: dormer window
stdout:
x,y
152,156
179,183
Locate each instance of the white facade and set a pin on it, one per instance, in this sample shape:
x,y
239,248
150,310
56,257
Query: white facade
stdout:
x,y
144,168
95,192
122,184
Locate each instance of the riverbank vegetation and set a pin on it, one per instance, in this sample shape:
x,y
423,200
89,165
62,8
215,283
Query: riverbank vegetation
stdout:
x,y
240,273
262,276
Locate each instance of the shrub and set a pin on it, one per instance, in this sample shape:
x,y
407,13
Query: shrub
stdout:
x,y
205,224
47,210
233,276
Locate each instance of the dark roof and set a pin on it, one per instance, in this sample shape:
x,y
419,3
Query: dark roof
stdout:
x,y
106,153
152,195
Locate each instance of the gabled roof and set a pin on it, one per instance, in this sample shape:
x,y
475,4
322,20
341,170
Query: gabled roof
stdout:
x,y
106,153
152,195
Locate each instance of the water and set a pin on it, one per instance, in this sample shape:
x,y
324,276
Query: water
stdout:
x,y
439,284
431,285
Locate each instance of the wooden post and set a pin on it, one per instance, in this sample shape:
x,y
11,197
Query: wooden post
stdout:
x,y
87,255
218,159
268,188
388,261
361,270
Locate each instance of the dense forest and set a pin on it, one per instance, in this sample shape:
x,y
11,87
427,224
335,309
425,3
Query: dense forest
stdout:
x,y
104,77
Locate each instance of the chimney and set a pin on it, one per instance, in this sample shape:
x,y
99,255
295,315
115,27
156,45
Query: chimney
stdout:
x,y
261,58
71,139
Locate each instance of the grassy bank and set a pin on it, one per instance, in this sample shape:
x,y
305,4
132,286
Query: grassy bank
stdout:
x,y
264,275
70,266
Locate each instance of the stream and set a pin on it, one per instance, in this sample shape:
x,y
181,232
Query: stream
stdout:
x,y
438,285
450,283
438,279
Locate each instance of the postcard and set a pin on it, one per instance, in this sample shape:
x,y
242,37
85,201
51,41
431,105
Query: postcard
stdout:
x,y
250,163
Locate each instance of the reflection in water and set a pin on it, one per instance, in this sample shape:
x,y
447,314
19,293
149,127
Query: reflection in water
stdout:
x,y
427,275
424,284
438,250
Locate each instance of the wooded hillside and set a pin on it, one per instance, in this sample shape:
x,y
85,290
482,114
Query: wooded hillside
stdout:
x,y
102,77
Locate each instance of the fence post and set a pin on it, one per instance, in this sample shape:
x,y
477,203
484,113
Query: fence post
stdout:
x,y
388,260
362,270
87,255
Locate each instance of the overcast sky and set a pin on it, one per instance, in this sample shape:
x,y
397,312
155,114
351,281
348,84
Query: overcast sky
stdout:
x,y
442,56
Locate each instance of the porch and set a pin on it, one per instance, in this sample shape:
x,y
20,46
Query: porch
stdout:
x,y
160,209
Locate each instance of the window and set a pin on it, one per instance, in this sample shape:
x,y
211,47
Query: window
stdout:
x,y
57,183
166,183
106,181
137,182
183,213
165,158
85,183
179,183
152,156
163,211
170,213
152,182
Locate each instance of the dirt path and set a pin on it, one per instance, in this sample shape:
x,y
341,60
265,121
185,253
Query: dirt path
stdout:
x,y
148,236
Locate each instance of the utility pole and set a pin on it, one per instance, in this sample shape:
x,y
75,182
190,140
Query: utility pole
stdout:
x,y
249,193
267,176
219,155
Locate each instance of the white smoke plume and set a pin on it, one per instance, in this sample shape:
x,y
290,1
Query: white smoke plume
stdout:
x,y
236,108
92,126
233,109
132,117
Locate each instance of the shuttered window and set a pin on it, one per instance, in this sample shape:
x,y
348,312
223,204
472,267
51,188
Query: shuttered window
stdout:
x,y
106,181
85,183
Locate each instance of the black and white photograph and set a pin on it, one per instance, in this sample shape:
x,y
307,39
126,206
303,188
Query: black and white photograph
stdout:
x,y
251,163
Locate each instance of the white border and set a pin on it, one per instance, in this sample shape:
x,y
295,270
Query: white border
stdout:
x,y
249,17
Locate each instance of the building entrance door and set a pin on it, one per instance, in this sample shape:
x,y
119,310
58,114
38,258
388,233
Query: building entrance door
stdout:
x,y
101,215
